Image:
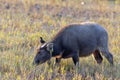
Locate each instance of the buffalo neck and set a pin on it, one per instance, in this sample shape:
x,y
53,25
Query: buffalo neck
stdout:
x,y
57,49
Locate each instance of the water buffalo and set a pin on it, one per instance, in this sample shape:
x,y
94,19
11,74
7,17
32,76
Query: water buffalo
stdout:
x,y
76,40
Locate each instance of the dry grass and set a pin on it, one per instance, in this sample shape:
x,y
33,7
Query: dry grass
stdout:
x,y
22,22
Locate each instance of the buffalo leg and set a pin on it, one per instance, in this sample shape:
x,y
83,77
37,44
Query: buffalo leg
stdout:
x,y
58,60
75,58
98,56
103,48
108,56
57,63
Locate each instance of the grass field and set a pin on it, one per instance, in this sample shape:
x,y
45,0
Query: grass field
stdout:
x,y
22,22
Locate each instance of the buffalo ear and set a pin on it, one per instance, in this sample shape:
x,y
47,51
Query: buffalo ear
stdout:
x,y
41,40
50,46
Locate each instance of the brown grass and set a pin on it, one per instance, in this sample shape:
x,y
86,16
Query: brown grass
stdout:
x,y
22,22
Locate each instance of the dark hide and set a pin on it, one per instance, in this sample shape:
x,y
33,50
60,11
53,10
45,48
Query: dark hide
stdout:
x,y
80,40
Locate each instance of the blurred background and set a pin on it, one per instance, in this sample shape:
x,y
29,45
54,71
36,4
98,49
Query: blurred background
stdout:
x,y
22,22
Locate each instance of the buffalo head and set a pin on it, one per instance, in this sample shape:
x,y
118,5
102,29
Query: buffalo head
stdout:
x,y
44,52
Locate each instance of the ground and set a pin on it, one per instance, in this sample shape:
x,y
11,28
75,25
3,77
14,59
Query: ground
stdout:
x,y
22,22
